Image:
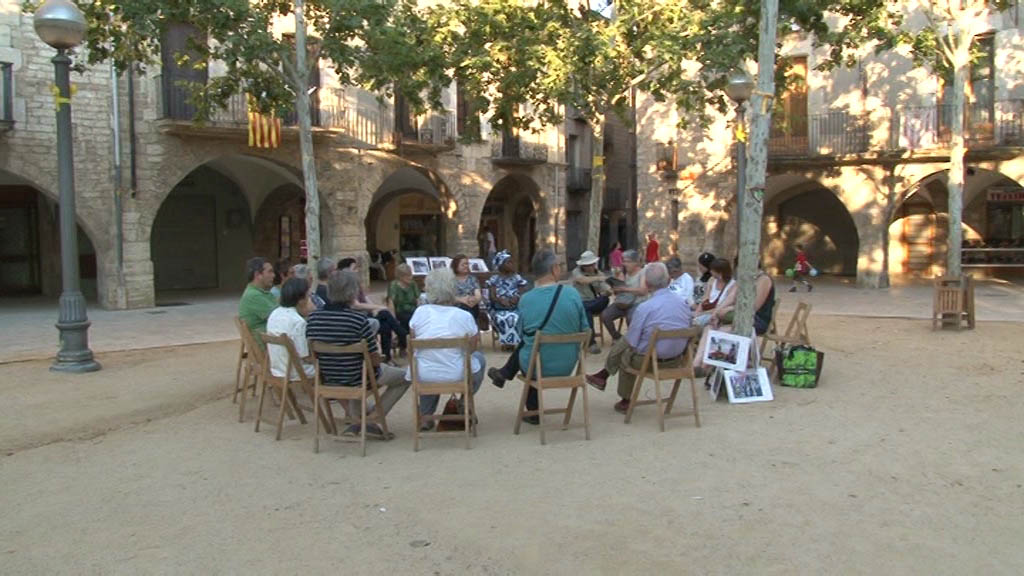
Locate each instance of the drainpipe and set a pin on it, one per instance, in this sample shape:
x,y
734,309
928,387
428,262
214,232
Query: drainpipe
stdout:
x,y
115,111
132,152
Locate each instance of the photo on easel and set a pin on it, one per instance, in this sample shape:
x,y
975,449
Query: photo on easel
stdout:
x,y
420,266
726,350
748,386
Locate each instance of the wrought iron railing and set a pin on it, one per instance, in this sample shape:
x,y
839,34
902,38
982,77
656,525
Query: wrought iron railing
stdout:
x,y
578,178
836,133
514,149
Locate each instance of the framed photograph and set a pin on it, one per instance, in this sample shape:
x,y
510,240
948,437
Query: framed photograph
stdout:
x,y
477,265
727,350
420,266
440,262
748,386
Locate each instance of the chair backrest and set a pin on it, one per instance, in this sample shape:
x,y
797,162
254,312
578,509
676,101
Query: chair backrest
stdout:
x,y
581,339
294,362
251,346
420,344
318,347
691,335
948,296
797,327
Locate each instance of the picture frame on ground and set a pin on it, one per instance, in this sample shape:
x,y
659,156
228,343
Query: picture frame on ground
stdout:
x,y
420,266
478,265
440,262
726,350
748,386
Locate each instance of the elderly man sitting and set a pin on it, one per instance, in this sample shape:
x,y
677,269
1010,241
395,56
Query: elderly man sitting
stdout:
x,y
661,311
594,290
338,323
441,318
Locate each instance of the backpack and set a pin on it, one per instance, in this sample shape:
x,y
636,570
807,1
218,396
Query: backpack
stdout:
x,y
799,366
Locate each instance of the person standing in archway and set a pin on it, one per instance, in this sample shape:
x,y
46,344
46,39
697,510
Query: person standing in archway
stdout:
x,y
490,246
653,249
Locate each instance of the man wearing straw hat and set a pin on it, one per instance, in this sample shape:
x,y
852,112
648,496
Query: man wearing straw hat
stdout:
x,y
594,291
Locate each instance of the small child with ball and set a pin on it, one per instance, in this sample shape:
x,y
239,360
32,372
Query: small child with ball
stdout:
x,y
801,270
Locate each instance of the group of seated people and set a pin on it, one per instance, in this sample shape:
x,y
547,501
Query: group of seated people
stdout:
x,y
650,297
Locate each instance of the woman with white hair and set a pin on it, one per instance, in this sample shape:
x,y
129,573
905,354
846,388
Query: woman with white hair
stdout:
x,y
442,318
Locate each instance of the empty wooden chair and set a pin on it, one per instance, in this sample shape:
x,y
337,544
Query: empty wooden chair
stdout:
x,y
367,386
795,335
953,302
254,362
651,368
461,386
574,381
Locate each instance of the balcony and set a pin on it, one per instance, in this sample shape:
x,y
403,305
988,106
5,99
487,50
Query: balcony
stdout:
x,y
923,129
578,179
829,134
6,96
177,116
432,132
985,126
512,150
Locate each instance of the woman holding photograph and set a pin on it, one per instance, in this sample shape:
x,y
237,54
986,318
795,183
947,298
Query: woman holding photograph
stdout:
x,y
504,289
764,306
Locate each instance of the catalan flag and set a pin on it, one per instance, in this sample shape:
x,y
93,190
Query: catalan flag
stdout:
x,y
264,129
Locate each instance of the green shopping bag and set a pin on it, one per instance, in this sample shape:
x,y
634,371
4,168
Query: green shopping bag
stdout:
x,y
799,366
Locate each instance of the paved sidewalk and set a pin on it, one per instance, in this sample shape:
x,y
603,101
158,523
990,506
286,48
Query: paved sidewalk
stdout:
x,y
29,332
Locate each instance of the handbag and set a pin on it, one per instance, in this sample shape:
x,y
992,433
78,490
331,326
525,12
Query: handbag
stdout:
x,y
451,408
799,366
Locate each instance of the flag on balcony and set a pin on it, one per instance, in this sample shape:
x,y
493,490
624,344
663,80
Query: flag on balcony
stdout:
x,y
264,129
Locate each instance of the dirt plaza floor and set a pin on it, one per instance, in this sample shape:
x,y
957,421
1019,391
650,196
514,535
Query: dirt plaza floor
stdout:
x,y
907,459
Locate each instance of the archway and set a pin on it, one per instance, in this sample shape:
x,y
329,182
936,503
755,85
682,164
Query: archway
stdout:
x,y
30,260
280,225
993,217
510,213
408,216
809,214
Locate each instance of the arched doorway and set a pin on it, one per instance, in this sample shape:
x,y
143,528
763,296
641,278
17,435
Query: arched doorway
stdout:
x,y
408,217
809,214
993,217
510,213
30,243
280,225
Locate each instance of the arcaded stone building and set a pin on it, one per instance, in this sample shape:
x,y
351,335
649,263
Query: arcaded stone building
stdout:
x,y
857,166
166,204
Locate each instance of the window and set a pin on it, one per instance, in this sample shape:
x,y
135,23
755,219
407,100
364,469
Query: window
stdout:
x,y
6,92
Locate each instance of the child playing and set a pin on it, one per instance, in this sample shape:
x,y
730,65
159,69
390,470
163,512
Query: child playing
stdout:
x,y
802,269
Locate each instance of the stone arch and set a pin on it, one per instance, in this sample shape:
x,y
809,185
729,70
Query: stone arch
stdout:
x,y
807,210
34,210
918,225
279,224
411,211
516,208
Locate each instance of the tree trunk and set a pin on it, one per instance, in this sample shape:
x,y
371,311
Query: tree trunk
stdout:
x,y
757,166
596,187
955,183
301,82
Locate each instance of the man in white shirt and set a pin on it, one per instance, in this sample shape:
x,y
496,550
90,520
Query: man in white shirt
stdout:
x,y
682,283
442,319
290,319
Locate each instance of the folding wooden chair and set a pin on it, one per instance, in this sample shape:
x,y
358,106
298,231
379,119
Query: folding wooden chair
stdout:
x,y
598,327
243,355
462,386
953,303
367,385
254,362
285,386
574,381
772,328
795,335
651,368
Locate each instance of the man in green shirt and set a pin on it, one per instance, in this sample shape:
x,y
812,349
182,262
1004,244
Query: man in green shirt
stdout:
x,y
257,302
567,317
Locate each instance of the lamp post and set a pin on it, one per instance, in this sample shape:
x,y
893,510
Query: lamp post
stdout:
x,y
61,24
739,88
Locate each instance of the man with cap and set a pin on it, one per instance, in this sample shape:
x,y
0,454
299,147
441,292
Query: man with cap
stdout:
x,y
594,291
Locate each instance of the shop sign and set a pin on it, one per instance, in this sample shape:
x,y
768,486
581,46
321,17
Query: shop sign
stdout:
x,y
1014,196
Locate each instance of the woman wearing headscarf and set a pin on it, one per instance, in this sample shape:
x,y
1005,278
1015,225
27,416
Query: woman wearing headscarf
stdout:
x,y
504,288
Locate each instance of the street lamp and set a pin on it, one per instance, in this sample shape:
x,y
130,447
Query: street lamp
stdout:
x,y
739,88
61,24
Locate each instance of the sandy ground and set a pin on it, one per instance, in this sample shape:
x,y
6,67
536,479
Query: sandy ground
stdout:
x,y
908,459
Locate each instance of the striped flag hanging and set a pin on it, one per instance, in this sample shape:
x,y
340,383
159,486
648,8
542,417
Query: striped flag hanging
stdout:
x,y
264,129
